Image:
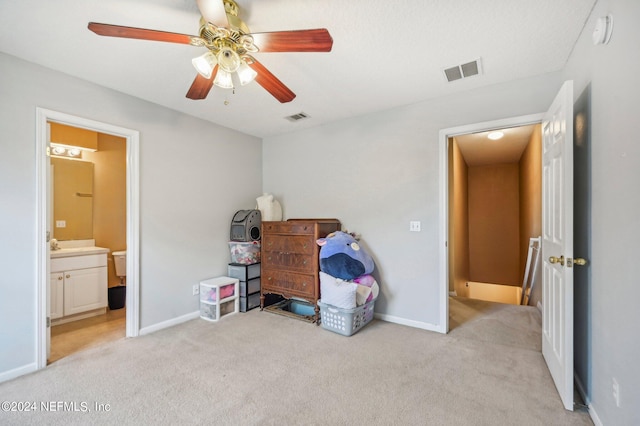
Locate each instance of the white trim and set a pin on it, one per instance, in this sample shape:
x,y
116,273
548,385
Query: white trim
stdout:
x,y
133,220
408,322
17,372
583,394
594,416
580,388
445,134
170,323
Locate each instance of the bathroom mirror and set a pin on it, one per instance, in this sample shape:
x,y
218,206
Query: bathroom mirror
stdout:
x,y
72,199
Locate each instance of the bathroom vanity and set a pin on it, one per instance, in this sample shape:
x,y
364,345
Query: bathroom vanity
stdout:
x,y
78,283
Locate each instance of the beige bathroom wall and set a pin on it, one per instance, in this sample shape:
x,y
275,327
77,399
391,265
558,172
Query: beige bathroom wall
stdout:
x,y
110,200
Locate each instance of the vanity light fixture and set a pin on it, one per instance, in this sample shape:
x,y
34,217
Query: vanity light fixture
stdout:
x,y
62,150
494,136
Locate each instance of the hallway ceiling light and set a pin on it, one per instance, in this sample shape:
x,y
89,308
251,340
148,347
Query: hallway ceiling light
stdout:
x,y
494,136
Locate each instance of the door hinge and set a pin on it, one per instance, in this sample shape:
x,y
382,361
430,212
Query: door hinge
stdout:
x,y
48,151
48,322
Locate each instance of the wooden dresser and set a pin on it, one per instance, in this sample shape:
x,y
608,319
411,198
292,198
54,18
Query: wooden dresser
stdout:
x,y
290,258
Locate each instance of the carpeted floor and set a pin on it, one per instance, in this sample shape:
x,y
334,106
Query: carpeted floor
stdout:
x,y
267,369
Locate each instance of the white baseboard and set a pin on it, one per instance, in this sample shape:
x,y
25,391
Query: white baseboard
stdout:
x,y
170,323
17,372
594,417
583,394
410,323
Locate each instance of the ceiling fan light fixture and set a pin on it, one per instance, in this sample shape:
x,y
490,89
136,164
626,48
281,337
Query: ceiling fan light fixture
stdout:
x,y
223,79
228,59
204,64
246,74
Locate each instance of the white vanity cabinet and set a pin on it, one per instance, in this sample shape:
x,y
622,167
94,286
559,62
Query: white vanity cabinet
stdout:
x,y
78,284
56,295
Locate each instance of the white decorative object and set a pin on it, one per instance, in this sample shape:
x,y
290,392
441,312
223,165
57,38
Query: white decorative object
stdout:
x,y
269,207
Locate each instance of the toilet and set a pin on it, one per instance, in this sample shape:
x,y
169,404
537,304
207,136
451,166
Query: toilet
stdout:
x,y
120,261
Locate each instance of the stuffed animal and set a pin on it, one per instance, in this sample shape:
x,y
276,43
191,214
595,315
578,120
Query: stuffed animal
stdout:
x,y
342,257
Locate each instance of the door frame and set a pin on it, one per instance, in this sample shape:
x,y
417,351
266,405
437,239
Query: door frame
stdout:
x,y
445,134
132,138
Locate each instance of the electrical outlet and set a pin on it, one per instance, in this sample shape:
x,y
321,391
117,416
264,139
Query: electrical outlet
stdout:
x,y
616,391
196,289
414,226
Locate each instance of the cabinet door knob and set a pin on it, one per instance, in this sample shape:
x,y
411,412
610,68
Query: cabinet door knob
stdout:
x,y
60,277
68,276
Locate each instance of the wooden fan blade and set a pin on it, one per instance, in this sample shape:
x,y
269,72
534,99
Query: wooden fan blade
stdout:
x,y
200,87
317,40
213,11
140,33
271,83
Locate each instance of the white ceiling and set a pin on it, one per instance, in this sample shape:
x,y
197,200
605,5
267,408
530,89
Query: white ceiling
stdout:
x,y
385,53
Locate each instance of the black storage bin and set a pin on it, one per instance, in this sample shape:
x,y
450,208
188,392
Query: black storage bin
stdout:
x,y
117,297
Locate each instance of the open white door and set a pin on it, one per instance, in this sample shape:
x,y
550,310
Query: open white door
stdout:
x,y
557,242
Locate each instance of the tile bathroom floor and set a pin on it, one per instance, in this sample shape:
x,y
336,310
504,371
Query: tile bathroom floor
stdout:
x,y
82,334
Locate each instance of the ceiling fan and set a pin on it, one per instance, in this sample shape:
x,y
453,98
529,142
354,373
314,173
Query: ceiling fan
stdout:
x,y
229,46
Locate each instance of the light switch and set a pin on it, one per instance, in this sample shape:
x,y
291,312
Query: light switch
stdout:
x,y
61,223
414,226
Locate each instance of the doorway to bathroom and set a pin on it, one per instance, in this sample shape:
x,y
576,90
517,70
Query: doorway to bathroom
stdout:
x,y
110,223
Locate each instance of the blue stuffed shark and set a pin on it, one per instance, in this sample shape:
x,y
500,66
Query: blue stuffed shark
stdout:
x,y
342,257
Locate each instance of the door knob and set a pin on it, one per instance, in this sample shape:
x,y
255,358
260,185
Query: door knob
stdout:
x,y
559,260
579,261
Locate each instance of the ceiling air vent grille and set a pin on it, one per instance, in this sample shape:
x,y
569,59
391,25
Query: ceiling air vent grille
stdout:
x,y
463,71
297,117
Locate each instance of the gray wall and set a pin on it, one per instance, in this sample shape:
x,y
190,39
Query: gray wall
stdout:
x,y
186,203
606,89
378,172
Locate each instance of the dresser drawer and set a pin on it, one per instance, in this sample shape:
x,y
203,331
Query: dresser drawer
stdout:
x,y
299,244
288,284
291,262
288,228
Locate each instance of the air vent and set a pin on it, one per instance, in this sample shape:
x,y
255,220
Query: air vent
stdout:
x,y
297,117
463,71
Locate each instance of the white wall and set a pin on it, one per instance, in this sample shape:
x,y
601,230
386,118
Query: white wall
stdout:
x,y
378,172
606,78
189,191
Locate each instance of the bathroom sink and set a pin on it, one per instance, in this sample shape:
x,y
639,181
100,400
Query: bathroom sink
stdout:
x,y
78,251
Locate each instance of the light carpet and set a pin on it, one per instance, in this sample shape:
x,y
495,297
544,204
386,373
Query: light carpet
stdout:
x,y
258,368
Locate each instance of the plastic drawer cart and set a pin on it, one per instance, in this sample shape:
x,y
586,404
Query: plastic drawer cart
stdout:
x,y
219,297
